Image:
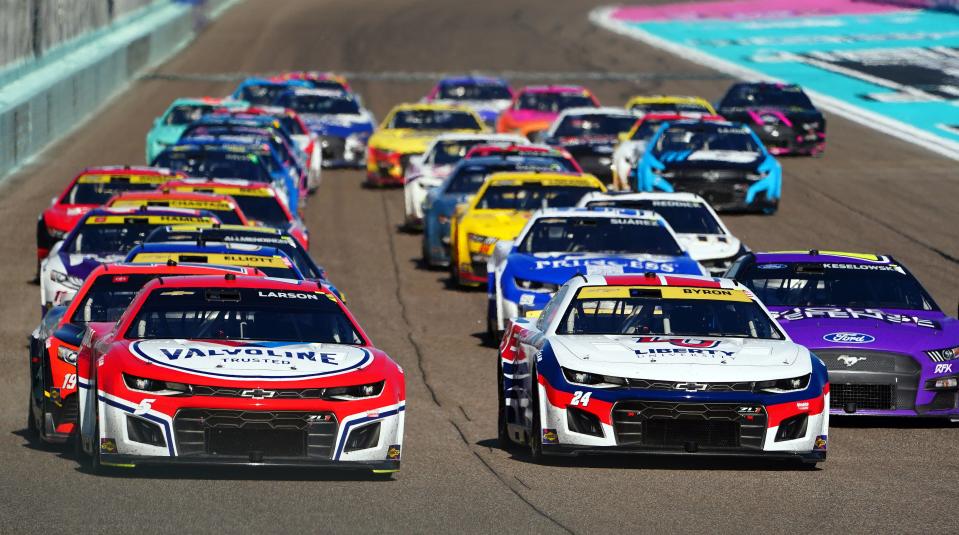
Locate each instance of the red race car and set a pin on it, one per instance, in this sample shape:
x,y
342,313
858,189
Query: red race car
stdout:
x,y
224,207
259,201
88,190
569,163
232,370
54,344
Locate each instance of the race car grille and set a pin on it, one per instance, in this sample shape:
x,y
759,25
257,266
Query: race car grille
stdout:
x,y
647,384
862,396
877,380
479,268
333,147
290,393
723,192
269,433
666,425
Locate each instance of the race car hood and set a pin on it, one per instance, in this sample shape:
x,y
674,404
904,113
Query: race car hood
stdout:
x,y
678,359
406,140
340,125
259,361
709,246
557,268
167,134
710,160
900,331
501,224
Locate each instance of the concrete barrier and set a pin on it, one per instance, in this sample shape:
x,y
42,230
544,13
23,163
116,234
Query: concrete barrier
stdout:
x,y
49,98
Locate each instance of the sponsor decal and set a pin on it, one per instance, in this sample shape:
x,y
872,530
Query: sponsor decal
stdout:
x,y
684,346
681,342
849,338
393,452
550,436
866,267
799,314
820,444
648,265
802,405
943,368
850,360
108,445
289,295
245,360
771,266
643,222
691,387
527,299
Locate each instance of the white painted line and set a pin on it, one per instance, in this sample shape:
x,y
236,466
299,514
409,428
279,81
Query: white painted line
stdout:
x,y
603,17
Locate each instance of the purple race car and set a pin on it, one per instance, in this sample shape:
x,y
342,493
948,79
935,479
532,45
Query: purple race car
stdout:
x,y
889,349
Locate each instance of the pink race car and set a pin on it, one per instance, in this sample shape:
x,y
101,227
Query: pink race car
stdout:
x,y
535,107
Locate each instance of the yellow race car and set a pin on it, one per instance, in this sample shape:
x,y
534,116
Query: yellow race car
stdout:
x,y
670,104
499,210
406,131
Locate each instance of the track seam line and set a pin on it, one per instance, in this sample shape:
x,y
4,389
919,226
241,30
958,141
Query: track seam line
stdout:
x,y
506,483
419,363
399,299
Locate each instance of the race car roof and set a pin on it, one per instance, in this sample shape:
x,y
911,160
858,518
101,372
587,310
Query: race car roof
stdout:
x,y
555,89
206,247
218,229
142,210
170,269
602,110
822,257
470,79
657,279
642,196
429,106
234,187
167,194
221,281
602,213
545,177
311,92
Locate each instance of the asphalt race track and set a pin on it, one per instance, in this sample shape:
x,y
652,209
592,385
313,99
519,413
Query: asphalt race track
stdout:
x,y
869,192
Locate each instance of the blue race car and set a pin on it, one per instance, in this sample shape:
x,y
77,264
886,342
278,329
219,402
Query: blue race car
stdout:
x,y
263,91
343,125
463,181
222,159
487,96
723,162
270,260
168,127
559,243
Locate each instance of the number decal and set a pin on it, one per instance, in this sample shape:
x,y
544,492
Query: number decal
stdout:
x,y
580,398
144,406
69,381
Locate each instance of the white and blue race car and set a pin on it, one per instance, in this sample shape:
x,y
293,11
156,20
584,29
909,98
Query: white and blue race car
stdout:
x,y
660,364
559,243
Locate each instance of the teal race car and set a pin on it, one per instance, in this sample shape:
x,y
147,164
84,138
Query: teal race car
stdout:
x,y
168,127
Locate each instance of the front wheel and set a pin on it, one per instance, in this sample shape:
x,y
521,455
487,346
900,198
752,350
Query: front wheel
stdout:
x,y
536,429
502,426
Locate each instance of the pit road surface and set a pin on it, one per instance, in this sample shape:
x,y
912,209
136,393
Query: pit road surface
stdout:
x,y
868,193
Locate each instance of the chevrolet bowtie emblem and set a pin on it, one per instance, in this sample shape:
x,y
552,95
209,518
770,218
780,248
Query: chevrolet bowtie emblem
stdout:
x,y
691,387
257,393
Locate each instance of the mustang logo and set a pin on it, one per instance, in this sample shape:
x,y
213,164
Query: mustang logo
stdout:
x,y
850,360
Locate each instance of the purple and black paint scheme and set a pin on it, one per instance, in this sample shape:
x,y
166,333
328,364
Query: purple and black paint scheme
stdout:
x,y
889,348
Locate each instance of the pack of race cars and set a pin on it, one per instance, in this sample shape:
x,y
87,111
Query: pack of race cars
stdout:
x,y
185,322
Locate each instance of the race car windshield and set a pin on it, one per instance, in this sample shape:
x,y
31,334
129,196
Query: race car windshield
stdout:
x,y
531,196
594,125
434,120
553,102
289,246
326,84
226,214
108,297
186,114
686,217
262,95
600,236
215,164
101,239
243,314
469,178
473,92
266,210
321,105
691,139
774,97
669,107
652,315
646,130
836,285
90,193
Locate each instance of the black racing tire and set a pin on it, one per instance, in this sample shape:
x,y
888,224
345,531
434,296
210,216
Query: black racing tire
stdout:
x,y
502,429
492,333
535,433
33,430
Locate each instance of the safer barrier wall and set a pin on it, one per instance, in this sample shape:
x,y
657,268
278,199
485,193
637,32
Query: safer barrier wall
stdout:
x,y
46,101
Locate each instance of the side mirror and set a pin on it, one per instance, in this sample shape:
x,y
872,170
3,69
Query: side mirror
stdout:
x,y
623,136
70,333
